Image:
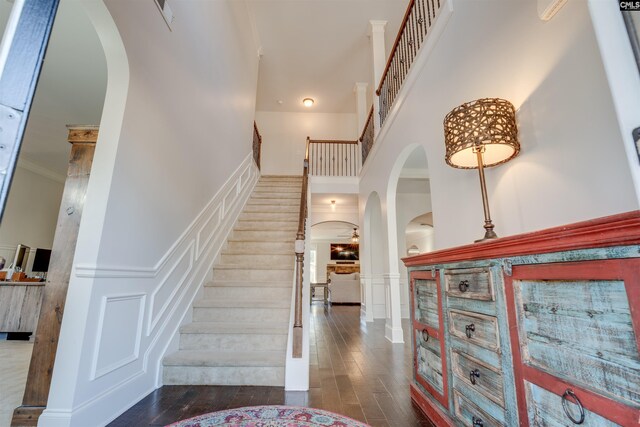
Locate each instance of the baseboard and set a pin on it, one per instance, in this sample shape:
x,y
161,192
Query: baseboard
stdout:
x,y
158,298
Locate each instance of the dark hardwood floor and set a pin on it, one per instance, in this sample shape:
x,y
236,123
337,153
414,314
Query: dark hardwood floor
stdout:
x,y
354,371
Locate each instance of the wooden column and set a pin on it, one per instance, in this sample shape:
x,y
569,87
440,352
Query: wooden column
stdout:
x,y
83,140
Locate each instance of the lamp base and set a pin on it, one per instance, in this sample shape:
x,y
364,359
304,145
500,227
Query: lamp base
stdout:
x,y
489,233
486,239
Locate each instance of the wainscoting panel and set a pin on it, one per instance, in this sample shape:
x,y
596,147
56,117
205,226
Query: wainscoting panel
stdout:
x,y
379,302
115,349
169,286
139,323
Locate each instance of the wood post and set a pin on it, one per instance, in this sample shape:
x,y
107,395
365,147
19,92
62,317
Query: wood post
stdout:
x,y
83,140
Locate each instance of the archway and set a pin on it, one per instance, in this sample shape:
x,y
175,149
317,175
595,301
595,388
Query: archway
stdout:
x,y
323,235
408,195
372,243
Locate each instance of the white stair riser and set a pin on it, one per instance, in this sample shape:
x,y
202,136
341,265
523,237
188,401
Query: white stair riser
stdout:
x,y
278,189
231,342
270,202
235,314
199,375
246,292
256,261
267,225
259,247
267,236
270,216
293,208
274,197
241,274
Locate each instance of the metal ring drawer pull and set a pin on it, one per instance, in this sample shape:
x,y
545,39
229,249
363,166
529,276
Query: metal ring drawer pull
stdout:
x,y
425,335
477,422
463,285
571,394
468,329
473,374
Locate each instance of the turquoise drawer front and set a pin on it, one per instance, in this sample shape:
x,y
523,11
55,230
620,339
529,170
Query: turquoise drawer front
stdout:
x,y
545,409
472,283
475,328
580,331
426,302
478,375
429,360
469,414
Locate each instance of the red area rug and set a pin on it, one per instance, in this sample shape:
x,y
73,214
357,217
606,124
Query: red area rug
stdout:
x,y
270,416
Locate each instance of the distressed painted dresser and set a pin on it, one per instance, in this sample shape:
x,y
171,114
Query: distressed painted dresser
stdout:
x,y
539,329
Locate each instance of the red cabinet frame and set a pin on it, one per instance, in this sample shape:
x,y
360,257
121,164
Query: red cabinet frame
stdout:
x,y
436,333
627,270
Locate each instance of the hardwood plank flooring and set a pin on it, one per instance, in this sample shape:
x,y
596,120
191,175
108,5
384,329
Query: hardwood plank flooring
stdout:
x,y
15,357
354,371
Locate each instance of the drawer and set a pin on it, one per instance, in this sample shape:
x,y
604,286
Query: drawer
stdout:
x,y
544,408
580,331
429,360
472,283
476,328
426,302
479,376
470,414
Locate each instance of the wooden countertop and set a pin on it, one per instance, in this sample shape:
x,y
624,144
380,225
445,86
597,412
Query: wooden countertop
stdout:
x,y
3,283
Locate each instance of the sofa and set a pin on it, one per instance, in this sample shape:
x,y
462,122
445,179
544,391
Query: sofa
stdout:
x,y
344,288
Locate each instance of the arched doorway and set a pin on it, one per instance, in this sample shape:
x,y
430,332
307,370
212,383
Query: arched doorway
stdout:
x,y
373,241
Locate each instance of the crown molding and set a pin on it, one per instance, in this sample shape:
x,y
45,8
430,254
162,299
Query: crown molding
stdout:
x,y
37,169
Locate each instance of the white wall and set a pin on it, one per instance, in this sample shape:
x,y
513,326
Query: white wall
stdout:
x,y
171,171
284,137
572,165
31,213
408,206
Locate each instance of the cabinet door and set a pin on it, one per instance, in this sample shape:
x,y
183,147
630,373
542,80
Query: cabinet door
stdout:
x,y
575,327
430,367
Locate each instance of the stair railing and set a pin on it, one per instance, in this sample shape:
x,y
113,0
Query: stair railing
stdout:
x,y
299,249
367,137
418,19
257,144
333,157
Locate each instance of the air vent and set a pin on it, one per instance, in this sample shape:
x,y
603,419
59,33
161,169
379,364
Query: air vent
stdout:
x,y
166,11
548,8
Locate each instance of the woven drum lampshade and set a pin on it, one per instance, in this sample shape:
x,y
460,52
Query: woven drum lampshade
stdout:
x,y
488,125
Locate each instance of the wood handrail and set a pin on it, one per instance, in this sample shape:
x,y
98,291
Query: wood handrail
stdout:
x,y
395,45
257,132
366,124
257,144
300,238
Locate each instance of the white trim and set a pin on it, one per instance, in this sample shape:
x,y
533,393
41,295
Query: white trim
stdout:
x,y
97,373
622,75
436,31
42,171
153,342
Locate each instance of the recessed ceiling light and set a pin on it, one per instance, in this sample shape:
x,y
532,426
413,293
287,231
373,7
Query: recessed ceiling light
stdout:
x,y
280,101
308,102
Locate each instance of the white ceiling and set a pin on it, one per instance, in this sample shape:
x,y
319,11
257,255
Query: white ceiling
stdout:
x,y
318,49
71,88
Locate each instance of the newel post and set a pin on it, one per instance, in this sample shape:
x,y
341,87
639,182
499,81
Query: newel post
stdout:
x,y
83,142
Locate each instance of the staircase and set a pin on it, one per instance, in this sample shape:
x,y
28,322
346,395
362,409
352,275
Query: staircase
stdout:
x,y
240,326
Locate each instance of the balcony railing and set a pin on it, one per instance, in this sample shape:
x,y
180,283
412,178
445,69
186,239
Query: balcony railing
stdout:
x,y
366,139
417,22
257,144
333,158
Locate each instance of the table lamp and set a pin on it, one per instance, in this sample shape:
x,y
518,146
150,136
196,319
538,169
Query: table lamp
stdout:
x,y
481,134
